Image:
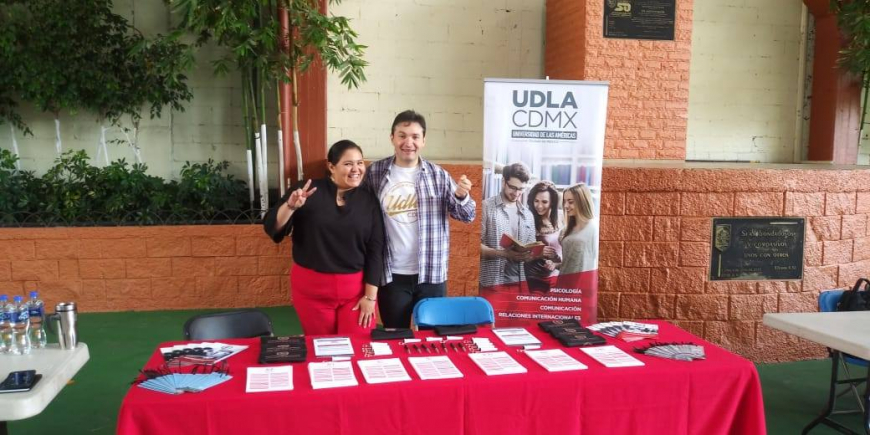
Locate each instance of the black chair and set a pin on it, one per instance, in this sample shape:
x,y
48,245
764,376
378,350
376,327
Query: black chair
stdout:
x,y
229,324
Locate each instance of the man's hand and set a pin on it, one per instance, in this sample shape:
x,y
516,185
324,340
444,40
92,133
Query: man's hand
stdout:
x,y
299,196
463,186
515,256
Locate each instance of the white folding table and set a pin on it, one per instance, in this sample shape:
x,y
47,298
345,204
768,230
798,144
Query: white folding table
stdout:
x,y
56,366
843,333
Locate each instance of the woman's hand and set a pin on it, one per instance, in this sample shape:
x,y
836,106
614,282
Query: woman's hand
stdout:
x,y
550,265
366,307
549,252
299,196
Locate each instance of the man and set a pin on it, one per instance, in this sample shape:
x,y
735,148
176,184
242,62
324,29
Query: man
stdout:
x,y
505,213
416,197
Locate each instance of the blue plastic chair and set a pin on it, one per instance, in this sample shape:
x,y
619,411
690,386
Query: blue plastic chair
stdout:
x,y
465,310
828,303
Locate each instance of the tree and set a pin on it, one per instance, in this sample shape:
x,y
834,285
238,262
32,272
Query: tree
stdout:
x,y
250,31
853,19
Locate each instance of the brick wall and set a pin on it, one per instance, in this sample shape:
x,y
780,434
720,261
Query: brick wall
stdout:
x,y
177,267
655,249
649,80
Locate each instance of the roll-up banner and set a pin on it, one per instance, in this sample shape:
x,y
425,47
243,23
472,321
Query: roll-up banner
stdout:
x,y
543,150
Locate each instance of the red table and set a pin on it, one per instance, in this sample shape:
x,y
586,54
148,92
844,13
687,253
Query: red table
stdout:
x,y
719,395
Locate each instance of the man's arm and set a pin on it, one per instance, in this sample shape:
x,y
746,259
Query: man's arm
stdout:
x,y
459,208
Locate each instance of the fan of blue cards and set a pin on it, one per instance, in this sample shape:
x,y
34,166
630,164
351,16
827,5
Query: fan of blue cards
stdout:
x,y
200,378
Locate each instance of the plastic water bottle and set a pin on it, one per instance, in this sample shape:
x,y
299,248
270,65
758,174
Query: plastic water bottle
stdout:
x,y
37,317
5,326
20,327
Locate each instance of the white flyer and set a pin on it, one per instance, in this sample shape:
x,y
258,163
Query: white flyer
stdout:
x,y
612,356
555,360
276,378
516,336
379,371
434,367
332,346
331,374
497,363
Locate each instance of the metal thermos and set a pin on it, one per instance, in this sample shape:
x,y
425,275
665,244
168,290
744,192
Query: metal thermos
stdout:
x,y
65,315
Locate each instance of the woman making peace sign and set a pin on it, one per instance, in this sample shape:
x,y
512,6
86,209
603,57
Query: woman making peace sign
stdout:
x,y
338,237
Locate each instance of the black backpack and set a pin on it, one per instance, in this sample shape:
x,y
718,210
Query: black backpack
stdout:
x,y
856,299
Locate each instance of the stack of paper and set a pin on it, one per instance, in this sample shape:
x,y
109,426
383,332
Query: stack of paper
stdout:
x,y
497,363
555,360
331,374
332,346
612,356
262,379
379,371
516,336
434,367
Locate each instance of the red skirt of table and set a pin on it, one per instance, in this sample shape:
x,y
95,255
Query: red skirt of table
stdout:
x,y
719,395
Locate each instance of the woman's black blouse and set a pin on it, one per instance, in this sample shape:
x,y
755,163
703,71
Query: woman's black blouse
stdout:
x,y
334,239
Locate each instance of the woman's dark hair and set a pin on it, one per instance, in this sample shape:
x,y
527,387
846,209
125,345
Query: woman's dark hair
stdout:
x,y
545,186
338,149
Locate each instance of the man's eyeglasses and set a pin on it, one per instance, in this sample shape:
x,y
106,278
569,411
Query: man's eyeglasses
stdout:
x,y
515,188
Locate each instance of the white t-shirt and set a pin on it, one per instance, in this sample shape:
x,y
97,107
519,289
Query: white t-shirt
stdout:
x,y
399,200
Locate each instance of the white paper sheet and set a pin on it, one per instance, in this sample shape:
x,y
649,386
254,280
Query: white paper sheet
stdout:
x,y
516,336
434,367
332,346
379,371
497,363
555,360
611,356
331,374
273,378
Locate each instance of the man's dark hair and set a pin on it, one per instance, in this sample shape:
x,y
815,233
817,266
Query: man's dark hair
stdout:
x,y
409,116
515,170
337,150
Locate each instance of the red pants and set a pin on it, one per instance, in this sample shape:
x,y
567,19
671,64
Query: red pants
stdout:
x,y
324,301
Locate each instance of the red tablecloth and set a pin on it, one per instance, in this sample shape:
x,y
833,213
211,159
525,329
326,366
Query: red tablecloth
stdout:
x,y
719,395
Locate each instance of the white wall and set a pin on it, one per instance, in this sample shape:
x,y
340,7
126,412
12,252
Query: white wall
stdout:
x,y
744,80
432,56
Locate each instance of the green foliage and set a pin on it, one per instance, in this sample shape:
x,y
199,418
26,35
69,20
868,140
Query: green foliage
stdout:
x,y
16,187
206,187
77,55
853,19
74,192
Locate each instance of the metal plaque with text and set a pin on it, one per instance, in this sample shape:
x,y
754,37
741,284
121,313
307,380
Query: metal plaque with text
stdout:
x,y
757,249
640,19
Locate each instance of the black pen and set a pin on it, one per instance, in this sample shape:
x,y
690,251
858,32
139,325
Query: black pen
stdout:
x,y
427,349
435,346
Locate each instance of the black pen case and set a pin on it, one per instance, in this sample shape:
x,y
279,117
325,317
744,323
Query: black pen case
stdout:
x,y
456,330
566,323
392,333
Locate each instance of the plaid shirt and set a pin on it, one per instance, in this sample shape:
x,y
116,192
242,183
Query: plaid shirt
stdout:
x,y
435,201
495,223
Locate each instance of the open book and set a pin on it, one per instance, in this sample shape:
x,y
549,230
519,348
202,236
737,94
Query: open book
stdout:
x,y
509,242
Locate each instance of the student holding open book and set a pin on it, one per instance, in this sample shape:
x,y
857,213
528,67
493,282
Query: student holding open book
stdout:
x,y
541,272
506,217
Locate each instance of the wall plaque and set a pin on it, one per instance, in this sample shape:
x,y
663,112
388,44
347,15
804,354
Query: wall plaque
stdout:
x,y
757,249
640,19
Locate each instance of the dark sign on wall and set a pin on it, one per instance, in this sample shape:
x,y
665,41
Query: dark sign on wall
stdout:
x,y
757,249
640,19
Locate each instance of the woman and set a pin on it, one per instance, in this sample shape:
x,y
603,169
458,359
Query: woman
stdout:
x,y
338,240
541,272
580,238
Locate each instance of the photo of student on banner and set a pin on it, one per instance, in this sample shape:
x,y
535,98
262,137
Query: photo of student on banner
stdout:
x,y
541,272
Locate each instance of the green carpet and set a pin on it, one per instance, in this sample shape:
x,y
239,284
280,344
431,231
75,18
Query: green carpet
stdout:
x,y
120,343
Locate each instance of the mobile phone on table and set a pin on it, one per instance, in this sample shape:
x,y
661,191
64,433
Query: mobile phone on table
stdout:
x,y
22,380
